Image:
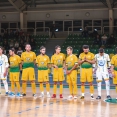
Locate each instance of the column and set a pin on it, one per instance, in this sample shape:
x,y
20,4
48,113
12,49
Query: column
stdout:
x,y
111,21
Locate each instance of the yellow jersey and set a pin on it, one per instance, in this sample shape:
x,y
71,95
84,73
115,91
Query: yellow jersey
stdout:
x,y
28,59
58,59
70,61
114,62
14,63
89,56
42,62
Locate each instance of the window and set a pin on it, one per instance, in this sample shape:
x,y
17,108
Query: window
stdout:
x,y
59,25
13,26
39,26
97,26
19,25
4,26
97,22
48,24
30,26
77,25
88,24
106,23
67,24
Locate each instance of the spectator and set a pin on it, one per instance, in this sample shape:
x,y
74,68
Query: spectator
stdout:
x,y
53,31
11,44
97,40
32,42
85,33
5,44
17,34
111,40
21,44
28,37
6,35
11,35
16,45
19,52
23,37
104,39
21,33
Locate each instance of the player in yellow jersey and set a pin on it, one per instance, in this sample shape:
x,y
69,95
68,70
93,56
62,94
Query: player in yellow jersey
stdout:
x,y
71,64
57,61
86,59
15,66
42,61
114,69
28,61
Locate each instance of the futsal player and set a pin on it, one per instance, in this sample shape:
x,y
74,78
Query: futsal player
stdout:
x,y
43,62
4,69
15,66
28,61
57,61
102,64
86,60
71,64
114,69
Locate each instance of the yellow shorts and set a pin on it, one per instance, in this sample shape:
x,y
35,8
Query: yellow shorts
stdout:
x,y
28,74
58,74
72,77
115,78
86,75
14,76
43,76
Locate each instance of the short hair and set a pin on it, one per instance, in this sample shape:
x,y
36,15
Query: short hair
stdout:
x,y
12,49
56,47
69,47
1,47
85,47
27,44
101,50
42,47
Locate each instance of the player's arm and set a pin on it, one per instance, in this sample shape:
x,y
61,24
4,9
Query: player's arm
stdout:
x,y
52,63
80,61
108,61
6,66
91,61
112,66
34,55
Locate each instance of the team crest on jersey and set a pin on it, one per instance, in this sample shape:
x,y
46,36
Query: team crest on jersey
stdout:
x,y
42,63
101,62
1,62
28,59
59,61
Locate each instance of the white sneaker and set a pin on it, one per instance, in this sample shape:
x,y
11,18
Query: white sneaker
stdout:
x,y
48,95
70,97
42,95
75,97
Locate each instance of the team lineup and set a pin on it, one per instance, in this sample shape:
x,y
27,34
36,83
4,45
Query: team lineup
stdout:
x,y
87,61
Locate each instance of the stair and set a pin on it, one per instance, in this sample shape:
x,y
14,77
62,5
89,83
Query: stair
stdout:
x,y
50,45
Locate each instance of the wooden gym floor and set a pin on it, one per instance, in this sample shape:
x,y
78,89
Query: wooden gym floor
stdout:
x,y
45,107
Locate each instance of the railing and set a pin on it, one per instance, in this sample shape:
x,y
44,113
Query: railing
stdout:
x,y
93,27
42,28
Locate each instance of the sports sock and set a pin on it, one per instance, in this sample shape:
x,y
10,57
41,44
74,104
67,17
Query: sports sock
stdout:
x,y
74,88
107,87
61,88
47,87
13,86
24,84
91,89
18,86
5,85
99,88
33,87
82,89
55,88
41,87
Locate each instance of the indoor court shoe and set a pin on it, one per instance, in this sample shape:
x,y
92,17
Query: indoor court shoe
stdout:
x,y
19,95
70,97
61,96
116,98
41,95
98,98
34,95
54,96
109,97
92,98
75,97
48,95
7,93
23,94
11,94
82,97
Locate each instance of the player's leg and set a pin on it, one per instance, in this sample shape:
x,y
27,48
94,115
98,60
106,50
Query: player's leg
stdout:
x,y
32,80
82,80
54,89
107,82
48,89
91,89
24,81
61,89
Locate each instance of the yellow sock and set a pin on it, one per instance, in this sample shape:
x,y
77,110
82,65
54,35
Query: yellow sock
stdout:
x,y
18,86
83,89
75,89
41,87
12,86
116,88
33,87
71,88
47,87
61,88
55,88
24,87
92,89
